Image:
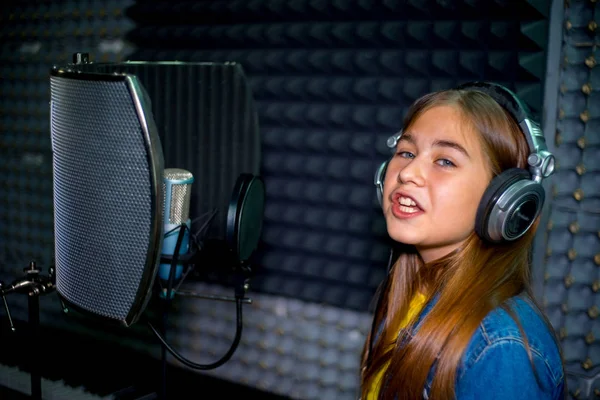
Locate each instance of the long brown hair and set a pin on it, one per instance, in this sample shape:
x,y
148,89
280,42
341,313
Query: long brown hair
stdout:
x,y
469,282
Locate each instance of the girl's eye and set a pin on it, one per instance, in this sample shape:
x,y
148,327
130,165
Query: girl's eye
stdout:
x,y
406,154
445,163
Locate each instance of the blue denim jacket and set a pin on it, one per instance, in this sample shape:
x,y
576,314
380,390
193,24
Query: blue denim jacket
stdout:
x,y
495,365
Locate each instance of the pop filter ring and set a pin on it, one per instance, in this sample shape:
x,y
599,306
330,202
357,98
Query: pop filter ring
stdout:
x,y
248,190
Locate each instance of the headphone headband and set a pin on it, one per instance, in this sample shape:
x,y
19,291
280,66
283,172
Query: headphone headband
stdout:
x,y
541,161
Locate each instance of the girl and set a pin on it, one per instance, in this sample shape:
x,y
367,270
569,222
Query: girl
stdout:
x,y
456,317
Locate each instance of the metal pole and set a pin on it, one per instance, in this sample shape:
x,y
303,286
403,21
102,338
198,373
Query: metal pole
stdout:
x,y
34,323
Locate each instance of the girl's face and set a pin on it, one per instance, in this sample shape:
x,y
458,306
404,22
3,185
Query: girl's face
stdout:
x,y
434,183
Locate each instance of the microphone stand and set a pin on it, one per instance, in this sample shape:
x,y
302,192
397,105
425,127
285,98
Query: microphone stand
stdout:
x,y
168,296
33,284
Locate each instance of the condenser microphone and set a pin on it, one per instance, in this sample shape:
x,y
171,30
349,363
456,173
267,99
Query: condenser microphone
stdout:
x,y
177,190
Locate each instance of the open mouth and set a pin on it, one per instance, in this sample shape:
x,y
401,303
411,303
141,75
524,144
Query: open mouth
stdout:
x,y
407,204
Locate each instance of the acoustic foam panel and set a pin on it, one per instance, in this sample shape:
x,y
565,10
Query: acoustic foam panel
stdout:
x,y
332,80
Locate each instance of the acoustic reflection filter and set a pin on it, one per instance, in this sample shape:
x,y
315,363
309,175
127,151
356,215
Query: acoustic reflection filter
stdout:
x,y
108,170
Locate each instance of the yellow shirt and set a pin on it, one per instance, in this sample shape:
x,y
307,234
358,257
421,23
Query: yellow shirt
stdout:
x,y
415,307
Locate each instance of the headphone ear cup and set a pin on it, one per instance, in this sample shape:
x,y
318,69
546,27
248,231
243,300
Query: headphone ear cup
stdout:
x,y
379,178
509,206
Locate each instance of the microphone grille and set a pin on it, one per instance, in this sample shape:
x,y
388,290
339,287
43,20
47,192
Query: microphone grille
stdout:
x,y
177,174
179,182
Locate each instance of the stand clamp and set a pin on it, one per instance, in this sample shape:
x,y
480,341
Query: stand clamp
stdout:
x,y
33,284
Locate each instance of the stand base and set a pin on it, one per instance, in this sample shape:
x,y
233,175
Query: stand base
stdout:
x,y
73,354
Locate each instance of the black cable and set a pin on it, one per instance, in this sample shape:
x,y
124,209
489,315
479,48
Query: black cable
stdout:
x,y
165,346
194,243
194,240
174,260
224,359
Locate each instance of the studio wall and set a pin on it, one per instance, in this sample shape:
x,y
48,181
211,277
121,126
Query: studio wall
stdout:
x,y
331,81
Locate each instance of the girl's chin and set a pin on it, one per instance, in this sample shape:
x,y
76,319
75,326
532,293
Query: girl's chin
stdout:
x,y
404,237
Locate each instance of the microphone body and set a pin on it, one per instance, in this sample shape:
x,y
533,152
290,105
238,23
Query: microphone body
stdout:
x,y
177,189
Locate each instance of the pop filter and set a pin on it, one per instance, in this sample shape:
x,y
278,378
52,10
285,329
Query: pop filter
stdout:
x,y
108,169
245,216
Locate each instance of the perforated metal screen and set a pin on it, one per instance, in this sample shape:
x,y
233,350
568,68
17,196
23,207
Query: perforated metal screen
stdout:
x,y
104,197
